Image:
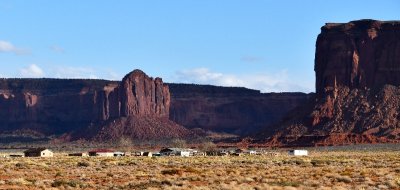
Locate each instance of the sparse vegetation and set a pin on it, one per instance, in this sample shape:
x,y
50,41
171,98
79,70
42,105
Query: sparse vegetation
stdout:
x,y
83,164
322,169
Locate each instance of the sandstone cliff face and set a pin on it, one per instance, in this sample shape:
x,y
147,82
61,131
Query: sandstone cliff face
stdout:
x,y
228,109
142,95
359,54
355,116
139,107
356,66
25,106
83,108
140,112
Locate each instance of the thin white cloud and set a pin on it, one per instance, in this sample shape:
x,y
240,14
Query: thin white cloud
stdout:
x,y
74,73
57,49
8,47
32,71
111,75
278,82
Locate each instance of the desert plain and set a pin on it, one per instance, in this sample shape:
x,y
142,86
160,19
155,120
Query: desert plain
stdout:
x,y
322,169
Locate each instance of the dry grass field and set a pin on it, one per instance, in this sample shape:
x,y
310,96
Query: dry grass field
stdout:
x,y
320,170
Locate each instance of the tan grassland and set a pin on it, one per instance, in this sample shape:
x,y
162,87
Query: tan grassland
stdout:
x,y
320,170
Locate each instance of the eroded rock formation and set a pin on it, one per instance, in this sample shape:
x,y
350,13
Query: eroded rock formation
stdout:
x,y
357,66
234,110
359,54
50,106
139,107
83,108
142,95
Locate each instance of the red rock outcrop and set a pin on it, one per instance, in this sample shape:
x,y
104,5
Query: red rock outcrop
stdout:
x,y
234,110
357,66
142,128
83,108
142,95
359,54
49,106
138,107
141,111
354,116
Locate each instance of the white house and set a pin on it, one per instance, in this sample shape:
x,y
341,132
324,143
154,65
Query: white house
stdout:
x,y
119,154
298,152
38,152
102,153
138,153
81,154
143,153
148,154
177,152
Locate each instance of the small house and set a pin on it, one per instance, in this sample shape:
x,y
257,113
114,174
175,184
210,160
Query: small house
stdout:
x,y
119,154
271,154
253,152
177,152
216,153
237,152
143,153
79,154
137,153
213,153
16,155
298,152
128,153
199,153
155,154
240,152
38,152
148,154
102,153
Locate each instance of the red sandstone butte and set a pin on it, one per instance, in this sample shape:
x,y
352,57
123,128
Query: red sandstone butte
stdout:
x,y
357,66
142,110
142,95
359,54
137,108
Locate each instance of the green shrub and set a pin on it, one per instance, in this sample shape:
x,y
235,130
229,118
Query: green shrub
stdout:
x,y
172,172
83,164
60,182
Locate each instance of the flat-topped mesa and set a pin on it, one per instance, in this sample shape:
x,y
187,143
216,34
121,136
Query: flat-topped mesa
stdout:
x,y
142,95
359,54
136,107
357,66
360,24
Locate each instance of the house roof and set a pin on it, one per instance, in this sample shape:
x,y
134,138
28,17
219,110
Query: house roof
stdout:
x,y
239,150
34,150
177,150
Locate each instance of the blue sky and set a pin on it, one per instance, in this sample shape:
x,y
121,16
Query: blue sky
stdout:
x,y
259,44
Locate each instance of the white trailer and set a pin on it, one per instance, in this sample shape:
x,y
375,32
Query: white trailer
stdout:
x,y
298,152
